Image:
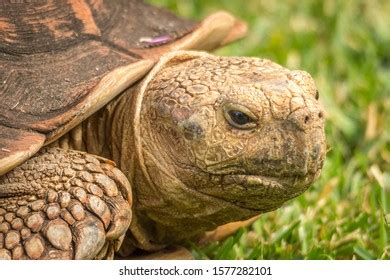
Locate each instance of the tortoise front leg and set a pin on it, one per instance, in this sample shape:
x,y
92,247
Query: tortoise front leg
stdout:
x,y
63,205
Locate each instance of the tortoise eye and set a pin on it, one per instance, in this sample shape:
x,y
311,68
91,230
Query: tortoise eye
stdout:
x,y
239,118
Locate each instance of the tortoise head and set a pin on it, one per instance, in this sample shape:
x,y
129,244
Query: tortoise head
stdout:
x,y
226,138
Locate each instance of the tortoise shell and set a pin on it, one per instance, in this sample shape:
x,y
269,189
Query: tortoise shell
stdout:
x,y
61,61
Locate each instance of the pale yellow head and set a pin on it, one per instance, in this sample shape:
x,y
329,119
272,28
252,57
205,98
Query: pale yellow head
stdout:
x,y
245,131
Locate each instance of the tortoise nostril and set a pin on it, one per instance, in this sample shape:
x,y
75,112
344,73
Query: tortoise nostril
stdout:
x,y
307,118
317,95
320,115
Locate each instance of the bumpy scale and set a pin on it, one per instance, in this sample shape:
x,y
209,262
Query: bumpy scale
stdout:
x,y
65,205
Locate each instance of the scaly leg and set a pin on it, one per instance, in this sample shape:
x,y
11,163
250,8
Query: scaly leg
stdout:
x,y
63,205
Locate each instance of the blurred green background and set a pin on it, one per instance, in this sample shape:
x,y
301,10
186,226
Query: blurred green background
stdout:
x,y
345,45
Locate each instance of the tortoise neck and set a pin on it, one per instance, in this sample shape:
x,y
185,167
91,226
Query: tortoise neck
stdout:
x,y
109,132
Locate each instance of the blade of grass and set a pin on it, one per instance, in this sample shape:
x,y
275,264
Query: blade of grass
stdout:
x,y
363,253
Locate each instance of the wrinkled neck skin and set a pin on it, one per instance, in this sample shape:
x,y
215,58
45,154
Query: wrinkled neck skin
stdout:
x,y
166,210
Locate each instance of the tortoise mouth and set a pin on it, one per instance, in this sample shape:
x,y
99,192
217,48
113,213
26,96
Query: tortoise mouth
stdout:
x,y
251,181
286,183
263,193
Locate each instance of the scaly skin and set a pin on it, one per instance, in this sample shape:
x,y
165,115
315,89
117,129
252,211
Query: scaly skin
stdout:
x,y
215,173
63,205
189,168
190,165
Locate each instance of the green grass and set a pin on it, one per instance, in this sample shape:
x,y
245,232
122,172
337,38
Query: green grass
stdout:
x,y
345,45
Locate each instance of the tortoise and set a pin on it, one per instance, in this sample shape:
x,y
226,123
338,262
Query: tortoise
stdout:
x,y
116,138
